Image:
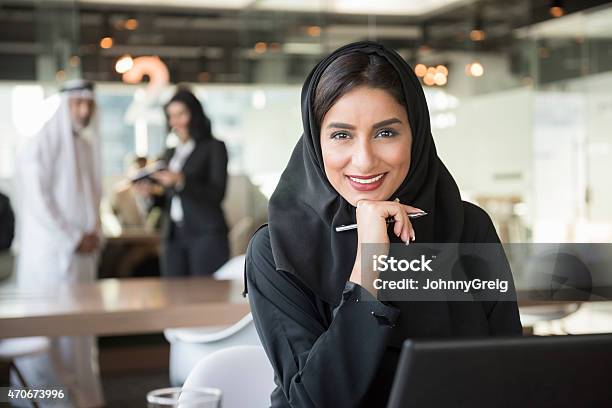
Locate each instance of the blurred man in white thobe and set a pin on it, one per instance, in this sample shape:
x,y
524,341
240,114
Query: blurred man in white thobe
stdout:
x,y
60,190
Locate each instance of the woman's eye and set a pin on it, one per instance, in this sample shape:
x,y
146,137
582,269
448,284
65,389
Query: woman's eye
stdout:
x,y
339,136
386,133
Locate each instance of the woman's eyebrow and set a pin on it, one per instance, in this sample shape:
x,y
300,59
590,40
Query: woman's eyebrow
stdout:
x,y
340,125
386,122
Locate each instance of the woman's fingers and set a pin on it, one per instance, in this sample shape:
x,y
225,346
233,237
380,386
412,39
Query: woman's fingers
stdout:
x,y
372,219
403,227
408,231
410,210
398,227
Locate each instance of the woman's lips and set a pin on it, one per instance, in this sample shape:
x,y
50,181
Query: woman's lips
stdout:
x,y
366,183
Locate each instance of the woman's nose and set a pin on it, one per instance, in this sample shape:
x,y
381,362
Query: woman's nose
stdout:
x,y
364,157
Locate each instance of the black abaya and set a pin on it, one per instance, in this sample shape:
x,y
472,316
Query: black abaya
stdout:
x,y
346,356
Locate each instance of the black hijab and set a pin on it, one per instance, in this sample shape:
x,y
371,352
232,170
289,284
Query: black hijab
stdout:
x,y
305,209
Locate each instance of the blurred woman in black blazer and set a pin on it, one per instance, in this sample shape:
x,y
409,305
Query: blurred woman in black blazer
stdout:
x,y
194,228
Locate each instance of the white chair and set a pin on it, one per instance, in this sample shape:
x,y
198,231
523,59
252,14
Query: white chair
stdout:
x,y
242,373
12,349
190,345
232,269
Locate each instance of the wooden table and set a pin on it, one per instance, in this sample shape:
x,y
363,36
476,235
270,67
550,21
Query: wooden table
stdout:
x,y
139,305
121,306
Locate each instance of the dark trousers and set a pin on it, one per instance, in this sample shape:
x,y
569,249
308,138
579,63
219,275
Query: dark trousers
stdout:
x,y
188,255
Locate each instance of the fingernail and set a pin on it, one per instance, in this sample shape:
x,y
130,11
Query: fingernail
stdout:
x,y
407,242
396,200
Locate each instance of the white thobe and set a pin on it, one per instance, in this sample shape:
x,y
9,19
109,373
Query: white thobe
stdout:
x,y
59,202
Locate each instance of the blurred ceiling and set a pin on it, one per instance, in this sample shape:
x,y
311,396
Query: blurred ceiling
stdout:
x,y
388,7
242,41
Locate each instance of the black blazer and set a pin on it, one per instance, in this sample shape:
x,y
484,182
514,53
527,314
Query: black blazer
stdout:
x,y
205,172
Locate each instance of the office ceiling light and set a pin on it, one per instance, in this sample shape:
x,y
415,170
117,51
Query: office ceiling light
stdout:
x,y
478,33
556,8
474,69
439,79
213,4
420,70
557,11
313,31
124,64
368,7
428,79
106,43
437,75
131,24
260,47
442,69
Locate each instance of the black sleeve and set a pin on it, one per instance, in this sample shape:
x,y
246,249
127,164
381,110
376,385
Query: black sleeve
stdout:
x,y
162,200
503,316
159,201
7,223
209,187
316,364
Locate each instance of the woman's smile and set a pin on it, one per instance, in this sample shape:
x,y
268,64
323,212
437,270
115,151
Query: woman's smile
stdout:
x,y
366,183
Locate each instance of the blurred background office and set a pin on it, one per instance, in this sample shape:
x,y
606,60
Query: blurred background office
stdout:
x,y
519,95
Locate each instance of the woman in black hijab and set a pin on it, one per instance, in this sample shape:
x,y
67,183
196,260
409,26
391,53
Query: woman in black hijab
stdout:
x,y
366,155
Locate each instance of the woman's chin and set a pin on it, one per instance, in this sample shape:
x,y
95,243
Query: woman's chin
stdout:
x,y
353,198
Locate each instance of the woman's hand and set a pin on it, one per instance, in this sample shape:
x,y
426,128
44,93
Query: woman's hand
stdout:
x,y
168,178
372,228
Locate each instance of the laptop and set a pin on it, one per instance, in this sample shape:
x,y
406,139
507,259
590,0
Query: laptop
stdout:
x,y
556,371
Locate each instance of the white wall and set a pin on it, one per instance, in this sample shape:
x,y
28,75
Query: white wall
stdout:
x,y
488,151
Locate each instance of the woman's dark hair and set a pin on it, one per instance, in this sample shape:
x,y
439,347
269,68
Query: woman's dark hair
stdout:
x,y
350,71
199,124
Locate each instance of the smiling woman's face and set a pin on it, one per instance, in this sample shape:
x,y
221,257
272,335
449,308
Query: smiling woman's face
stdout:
x,y
179,118
366,143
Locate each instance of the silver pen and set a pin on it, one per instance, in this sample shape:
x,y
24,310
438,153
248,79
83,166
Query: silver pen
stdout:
x,y
389,221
